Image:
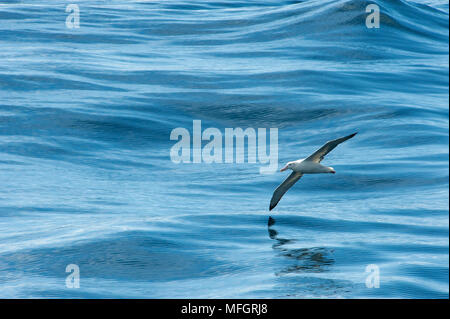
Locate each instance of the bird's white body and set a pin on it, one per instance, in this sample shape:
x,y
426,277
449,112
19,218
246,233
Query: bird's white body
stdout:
x,y
309,167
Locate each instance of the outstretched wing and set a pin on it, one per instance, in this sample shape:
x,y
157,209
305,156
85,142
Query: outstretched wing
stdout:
x,y
318,155
283,188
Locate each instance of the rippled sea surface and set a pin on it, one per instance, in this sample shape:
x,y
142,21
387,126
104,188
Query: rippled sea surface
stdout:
x,y
86,176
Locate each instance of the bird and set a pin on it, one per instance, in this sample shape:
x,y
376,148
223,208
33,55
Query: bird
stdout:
x,y
309,165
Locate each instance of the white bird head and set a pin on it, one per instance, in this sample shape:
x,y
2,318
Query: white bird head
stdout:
x,y
289,165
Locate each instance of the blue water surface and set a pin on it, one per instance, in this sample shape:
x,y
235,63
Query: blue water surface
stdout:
x,y
86,176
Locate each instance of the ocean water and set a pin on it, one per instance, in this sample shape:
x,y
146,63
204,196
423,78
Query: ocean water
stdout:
x,y
86,176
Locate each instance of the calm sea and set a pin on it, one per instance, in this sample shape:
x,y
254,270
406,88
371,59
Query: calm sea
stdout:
x,y
86,176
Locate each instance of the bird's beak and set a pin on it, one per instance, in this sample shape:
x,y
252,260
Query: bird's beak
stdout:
x,y
284,168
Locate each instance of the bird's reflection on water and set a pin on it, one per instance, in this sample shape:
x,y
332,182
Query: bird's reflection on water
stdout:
x,y
314,259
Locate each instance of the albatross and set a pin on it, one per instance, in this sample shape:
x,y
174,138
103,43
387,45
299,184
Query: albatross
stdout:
x,y
309,165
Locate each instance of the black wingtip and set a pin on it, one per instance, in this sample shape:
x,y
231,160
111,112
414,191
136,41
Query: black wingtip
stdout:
x,y
272,206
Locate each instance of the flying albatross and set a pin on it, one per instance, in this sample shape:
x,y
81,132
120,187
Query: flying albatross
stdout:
x,y
309,165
